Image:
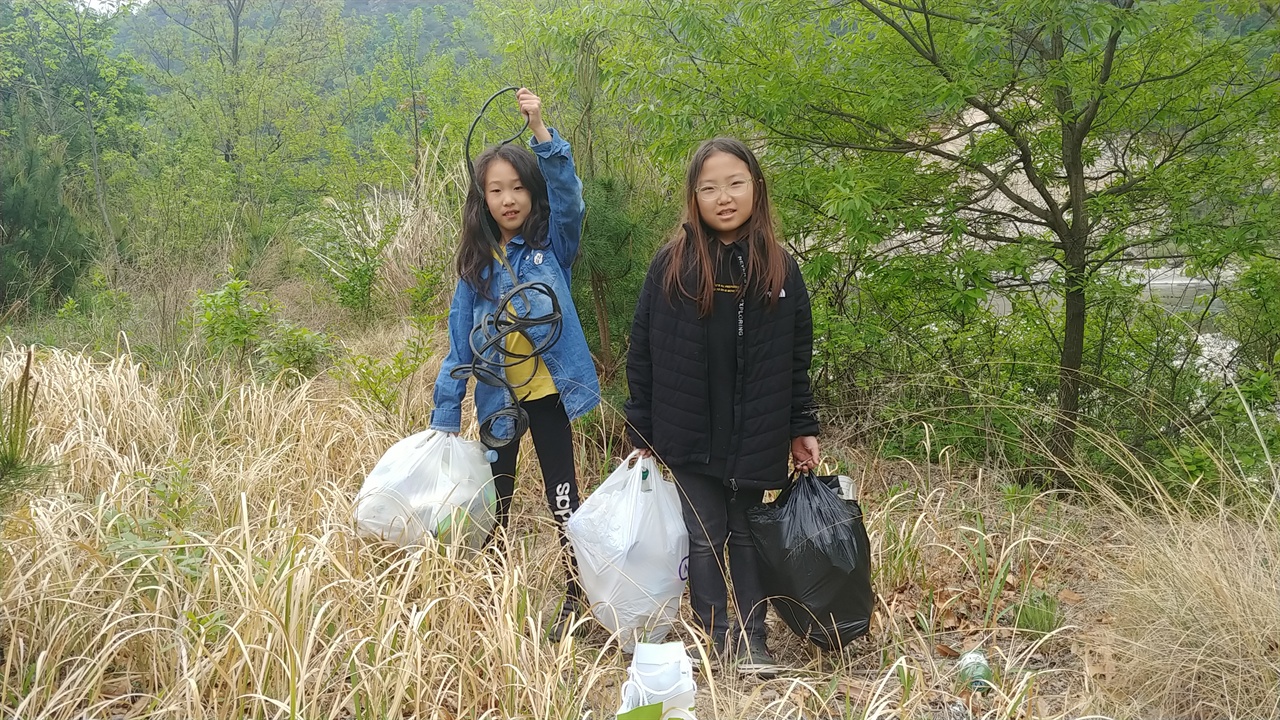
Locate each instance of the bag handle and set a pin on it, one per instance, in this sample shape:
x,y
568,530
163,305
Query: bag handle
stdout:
x,y
646,465
429,436
796,477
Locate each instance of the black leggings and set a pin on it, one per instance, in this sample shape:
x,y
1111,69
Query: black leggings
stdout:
x,y
716,518
553,442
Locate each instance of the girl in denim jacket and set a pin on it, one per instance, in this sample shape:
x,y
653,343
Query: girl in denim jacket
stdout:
x,y
532,202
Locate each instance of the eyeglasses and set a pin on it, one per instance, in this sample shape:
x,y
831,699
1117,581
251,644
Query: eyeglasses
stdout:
x,y
737,188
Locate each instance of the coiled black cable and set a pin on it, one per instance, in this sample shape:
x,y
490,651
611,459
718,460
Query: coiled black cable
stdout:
x,y
491,357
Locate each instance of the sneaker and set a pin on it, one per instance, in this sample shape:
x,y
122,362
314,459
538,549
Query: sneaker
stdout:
x,y
567,622
753,658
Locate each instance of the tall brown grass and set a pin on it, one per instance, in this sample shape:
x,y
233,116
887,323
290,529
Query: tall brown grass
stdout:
x,y
1197,619
191,555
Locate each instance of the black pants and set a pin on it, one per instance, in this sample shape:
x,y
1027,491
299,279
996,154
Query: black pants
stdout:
x,y
553,442
716,518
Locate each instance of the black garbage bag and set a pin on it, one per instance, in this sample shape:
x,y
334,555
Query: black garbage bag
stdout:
x,y
815,561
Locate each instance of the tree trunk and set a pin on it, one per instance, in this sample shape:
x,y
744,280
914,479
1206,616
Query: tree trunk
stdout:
x,y
99,191
235,12
413,108
76,46
602,323
1063,439
1075,245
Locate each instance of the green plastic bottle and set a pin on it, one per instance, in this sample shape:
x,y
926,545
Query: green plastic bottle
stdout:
x,y
974,671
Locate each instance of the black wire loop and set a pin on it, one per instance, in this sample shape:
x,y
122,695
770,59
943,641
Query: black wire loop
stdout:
x,y
491,357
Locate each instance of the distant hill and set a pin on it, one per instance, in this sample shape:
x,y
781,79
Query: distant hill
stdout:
x,y
452,9
439,19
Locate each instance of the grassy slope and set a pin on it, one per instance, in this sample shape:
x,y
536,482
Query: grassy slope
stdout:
x,y
193,557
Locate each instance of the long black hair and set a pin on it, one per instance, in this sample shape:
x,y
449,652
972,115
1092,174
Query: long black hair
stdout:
x,y
475,251
690,262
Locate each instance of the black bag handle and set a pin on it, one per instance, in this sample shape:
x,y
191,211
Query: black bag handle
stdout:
x,y
794,480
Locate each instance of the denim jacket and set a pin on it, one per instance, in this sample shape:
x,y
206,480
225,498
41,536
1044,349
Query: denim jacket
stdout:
x,y
569,360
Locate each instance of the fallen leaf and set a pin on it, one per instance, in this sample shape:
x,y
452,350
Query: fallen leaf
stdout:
x,y
115,687
1104,665
1070,597
139,706
946,650
801,696
950,621
856,690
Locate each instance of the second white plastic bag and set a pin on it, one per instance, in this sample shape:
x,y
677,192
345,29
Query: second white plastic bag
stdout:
x,y
632,549
429,483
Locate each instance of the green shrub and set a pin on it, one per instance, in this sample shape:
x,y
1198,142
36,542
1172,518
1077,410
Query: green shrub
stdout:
x,y
291,351
240,322
233,319
42,246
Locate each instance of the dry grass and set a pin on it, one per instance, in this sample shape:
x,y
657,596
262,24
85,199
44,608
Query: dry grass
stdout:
x,y
193,557
407,232
1196,627
427,235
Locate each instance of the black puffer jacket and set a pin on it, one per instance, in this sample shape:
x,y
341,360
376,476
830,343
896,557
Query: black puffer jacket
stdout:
x,y
669,408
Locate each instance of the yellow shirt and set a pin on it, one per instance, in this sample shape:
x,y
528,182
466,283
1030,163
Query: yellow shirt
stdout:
x,y
541,385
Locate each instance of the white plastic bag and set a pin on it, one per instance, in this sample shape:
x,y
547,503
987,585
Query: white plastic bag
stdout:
x,y
632,549
430,483
659,684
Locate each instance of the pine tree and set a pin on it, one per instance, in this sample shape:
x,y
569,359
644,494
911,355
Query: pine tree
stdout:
x,y
42,246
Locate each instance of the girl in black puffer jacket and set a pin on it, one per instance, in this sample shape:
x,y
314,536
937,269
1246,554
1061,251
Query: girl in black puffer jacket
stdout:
x,y
718,373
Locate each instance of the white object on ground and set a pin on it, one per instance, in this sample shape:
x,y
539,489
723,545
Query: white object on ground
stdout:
x,y
660,674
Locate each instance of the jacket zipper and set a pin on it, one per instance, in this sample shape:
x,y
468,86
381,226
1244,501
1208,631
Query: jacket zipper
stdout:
x,y
706,368
739,381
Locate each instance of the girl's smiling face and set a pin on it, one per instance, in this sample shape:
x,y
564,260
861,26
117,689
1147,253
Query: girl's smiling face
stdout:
x,y
725,194
508,199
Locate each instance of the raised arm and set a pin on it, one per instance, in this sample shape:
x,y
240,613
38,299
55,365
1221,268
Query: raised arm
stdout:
x,y
564,189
